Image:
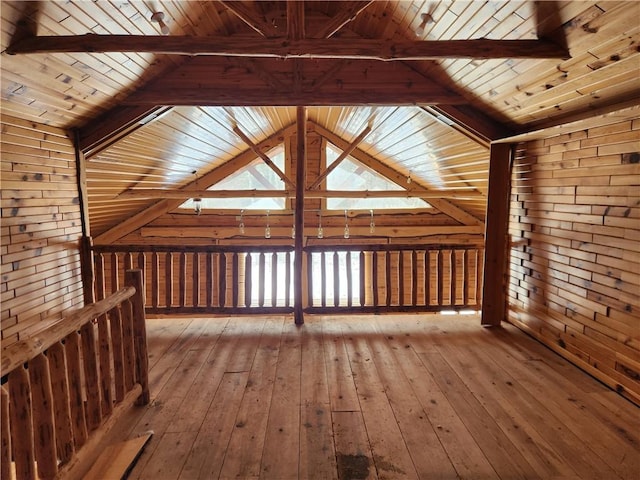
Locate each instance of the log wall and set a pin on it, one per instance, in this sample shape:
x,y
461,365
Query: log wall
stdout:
x,y
40,227
574,232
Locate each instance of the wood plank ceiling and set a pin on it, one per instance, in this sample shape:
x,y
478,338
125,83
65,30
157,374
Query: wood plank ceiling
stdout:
x,y
190,105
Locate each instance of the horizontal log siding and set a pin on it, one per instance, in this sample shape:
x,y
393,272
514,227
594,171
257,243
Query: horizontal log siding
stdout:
x,y
574,268
40,227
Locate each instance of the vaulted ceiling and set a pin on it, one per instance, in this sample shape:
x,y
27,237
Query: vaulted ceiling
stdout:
x,y
433,82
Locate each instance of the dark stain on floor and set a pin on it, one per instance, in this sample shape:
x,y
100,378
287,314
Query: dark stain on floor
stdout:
x,y
352,467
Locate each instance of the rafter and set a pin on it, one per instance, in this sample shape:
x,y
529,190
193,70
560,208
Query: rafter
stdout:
x,y
166,205
445,206
254,148
332,48
346,14
345,153
253,19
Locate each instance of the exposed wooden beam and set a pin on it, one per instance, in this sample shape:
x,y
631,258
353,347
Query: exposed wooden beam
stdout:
x,y
615,112
346,14
301,162
331,48
253,19
345,153
208,231
295,20
494,295
166,205
185,194
227,96
114,125
471,120
263,156
445,206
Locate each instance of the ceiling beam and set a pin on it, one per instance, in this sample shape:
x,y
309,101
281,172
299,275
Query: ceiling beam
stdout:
x,y
185,194
166,205
445,206
114,125
331,48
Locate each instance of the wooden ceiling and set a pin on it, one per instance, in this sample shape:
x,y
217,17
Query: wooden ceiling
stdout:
x,y
147,116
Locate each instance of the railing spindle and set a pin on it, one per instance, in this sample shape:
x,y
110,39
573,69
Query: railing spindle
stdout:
x,y
440,257
91,376
115,322
235,282
115,279
310,277
465,280
427,278
61,408
21,424
247,280
195,287
414,278
453,280
387,278
287,279
349,280
274,279
42,400
134,279
209,279
222,279
182,280
323,280
128,348
168,280
336,279
401,278
362,279
261,284
155,285
76,400
374,277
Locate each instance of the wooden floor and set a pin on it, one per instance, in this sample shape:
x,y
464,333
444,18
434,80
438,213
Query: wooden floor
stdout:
x,y
373,397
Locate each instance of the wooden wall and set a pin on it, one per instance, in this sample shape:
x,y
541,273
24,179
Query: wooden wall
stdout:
x,y
575,231
40,227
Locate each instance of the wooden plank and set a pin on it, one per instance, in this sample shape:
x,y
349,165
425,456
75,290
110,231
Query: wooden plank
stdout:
x,y
281,452
244,451
61,409
353,453
116,460
317,452
391,456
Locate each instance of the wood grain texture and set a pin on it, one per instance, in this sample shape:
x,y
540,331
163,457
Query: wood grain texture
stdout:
x,y
474,396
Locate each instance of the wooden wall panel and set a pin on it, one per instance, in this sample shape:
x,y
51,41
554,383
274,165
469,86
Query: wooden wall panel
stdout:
x,y
41,227
575,259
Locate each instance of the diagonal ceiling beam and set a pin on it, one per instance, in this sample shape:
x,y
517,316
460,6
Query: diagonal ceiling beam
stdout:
x,y
253,19
254,148
332,48
445,206
166,205
345,153
347,13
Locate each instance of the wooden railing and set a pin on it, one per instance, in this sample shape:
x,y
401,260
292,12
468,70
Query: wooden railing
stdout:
x,y
65,387
258,279
393,278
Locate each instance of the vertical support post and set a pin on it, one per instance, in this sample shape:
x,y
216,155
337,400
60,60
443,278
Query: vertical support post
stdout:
x,y
5,451
301,152
134,279
496,228
87,269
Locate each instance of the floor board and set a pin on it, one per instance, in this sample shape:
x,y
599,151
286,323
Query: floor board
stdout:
x,y
373,397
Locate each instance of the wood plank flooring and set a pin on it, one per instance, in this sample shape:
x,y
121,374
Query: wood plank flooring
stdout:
x,y
366,397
